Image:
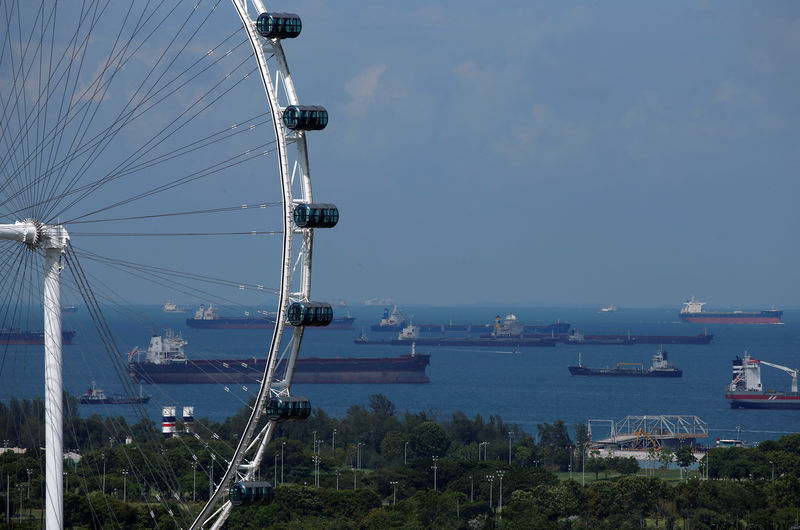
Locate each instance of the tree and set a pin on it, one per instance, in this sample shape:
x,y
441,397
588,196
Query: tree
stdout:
x,y
595,465
393,445
429,439
665,457
685,458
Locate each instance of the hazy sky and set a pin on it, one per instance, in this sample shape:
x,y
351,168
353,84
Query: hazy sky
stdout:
x,y
556,152
523,153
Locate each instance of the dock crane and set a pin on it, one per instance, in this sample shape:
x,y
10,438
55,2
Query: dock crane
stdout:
x,y
790,371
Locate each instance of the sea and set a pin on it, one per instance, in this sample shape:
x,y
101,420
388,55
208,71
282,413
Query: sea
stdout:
x,y
530,387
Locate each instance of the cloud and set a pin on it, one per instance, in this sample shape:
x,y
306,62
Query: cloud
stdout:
x,y
734,94
363,89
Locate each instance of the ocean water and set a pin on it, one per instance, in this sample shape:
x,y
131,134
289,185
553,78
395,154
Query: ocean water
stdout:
x,y
526,388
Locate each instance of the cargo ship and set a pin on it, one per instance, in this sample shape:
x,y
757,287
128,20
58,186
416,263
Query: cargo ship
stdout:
x,y
410,334
660,367
692,311
96,396
207,318
165,362
19,336
746,391
630,338
396,321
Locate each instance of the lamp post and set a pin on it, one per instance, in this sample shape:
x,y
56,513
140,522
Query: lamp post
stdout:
x,y
103,455
283,444
509,447
434,467
125,485
485,457
490,478
394,491
405,453
314,450
20,487
770,463
354,478
358,454
333,443
471,490
275,469
194,481
337,479
500,505
29,471
316,460
211,481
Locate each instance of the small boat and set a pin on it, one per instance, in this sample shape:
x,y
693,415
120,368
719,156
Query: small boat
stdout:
x,y
97,396
659,368
608,309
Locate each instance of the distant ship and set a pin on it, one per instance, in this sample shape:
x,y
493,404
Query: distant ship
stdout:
x,y
576,337
165,362
209,319
659,368
410,334
172,307
693,312
69,309
96,396
745,390
608,309
19,336
391,322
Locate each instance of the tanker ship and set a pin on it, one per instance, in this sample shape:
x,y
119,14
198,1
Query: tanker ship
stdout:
x,y
165,362
746,391
660,367
693,312
207,318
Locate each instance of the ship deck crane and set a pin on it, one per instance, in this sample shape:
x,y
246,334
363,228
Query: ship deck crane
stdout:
x,y
790,371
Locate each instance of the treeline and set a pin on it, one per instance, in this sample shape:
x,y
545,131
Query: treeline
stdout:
x,y
376,470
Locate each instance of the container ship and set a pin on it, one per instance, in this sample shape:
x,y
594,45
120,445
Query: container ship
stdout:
x,y
19,336
692,311
96,396
660,367
165,362
746,391
207,318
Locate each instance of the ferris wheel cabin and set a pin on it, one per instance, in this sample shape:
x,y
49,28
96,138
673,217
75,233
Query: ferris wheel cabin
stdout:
x,y
305,117
278,25
288,408
316,215
251,493
316,314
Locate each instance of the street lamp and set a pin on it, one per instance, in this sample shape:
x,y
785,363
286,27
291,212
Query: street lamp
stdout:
x,y
194,480
394,491
337,479
490,478
125,485
358,454
283,444
770,463
316,461
509,447
315,442
500,506
470,489
275,469
405,453
103,456
435,460
333,443
211,481
483,444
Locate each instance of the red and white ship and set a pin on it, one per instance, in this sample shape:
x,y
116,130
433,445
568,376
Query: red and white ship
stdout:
x,y
693,312
746,391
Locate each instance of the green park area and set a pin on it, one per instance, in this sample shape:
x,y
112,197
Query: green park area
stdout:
x,y
377,467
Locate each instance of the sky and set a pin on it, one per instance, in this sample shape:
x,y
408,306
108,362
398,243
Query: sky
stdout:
x,y
556,153
534,153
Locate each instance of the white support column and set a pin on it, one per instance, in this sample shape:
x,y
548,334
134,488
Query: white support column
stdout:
x,y
53,408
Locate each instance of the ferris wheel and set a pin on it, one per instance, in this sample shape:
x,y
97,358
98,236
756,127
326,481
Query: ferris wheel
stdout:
x,y
127,137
